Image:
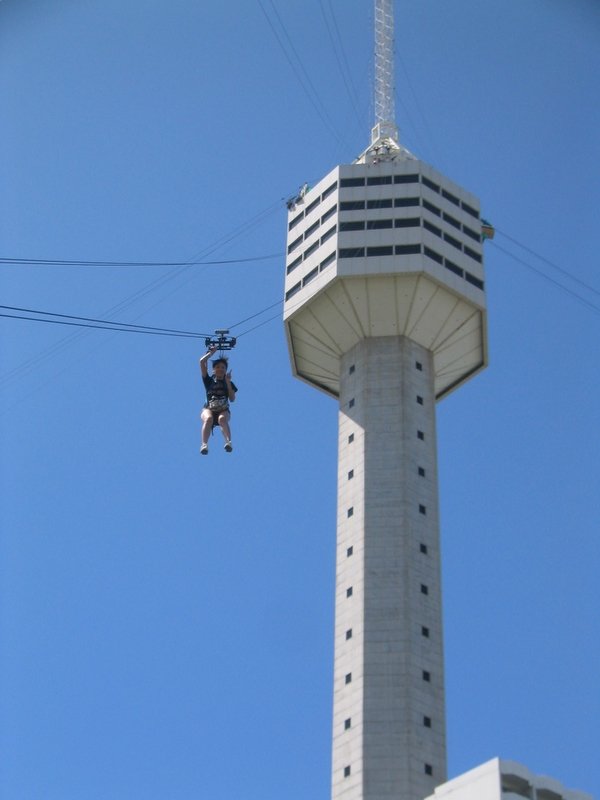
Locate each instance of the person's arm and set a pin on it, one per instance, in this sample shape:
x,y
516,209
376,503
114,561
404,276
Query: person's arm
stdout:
x,y
230,389
204,360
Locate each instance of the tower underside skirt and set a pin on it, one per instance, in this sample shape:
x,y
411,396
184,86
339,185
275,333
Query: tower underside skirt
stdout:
x,y
350,309
389,723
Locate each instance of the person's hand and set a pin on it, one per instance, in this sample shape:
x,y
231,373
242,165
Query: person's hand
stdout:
x,y
228,375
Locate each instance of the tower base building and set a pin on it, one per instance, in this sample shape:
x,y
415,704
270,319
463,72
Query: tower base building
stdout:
x,y
499,779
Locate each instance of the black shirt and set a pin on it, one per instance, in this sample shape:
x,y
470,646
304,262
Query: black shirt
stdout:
x,y
216,387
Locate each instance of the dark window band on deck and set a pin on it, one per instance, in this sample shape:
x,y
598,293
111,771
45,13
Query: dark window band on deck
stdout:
x,y
294,290
379,180
348,182
329,190
351,252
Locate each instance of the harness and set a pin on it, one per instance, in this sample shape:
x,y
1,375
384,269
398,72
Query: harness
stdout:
x,y
217,396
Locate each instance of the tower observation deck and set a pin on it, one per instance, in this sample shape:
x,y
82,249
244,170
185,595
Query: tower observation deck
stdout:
x,y
385,311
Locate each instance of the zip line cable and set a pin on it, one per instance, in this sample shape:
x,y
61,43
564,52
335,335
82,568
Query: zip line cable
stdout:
x,y
547,261
539,272
258,313
346,63
103,327
226,239
153,286
260,324
571,292
426,127
123,327
60,262
111,325
102,322
342,62
297,65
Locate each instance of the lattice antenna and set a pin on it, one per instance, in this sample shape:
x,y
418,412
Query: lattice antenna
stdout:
x,y
385,115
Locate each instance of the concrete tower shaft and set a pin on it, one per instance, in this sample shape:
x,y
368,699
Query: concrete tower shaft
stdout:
x,y
388,718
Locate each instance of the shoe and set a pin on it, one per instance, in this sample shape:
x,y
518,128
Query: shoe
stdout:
x,y
204,450
228,447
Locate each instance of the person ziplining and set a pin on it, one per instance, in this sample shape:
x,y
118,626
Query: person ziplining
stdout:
x,y
220,392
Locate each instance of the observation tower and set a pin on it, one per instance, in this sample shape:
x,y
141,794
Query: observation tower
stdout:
x,y
385,311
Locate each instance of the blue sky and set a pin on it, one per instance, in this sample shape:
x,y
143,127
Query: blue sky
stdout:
x,y
167,620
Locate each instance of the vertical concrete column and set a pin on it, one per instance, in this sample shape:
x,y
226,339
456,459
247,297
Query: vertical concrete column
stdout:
x,y
388,719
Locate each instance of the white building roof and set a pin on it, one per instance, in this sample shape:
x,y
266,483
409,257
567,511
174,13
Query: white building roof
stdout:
x,y
500,779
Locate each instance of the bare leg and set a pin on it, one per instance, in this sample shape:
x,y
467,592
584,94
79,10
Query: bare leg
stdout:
x,y
207,424
224,423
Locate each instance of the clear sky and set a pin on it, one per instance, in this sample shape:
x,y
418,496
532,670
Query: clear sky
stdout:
x,y
167,619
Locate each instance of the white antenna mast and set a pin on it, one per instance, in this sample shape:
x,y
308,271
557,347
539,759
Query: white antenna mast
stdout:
x,y
385,141
385,115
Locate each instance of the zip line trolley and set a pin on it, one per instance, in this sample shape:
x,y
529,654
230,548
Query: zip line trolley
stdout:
x,y
221,340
